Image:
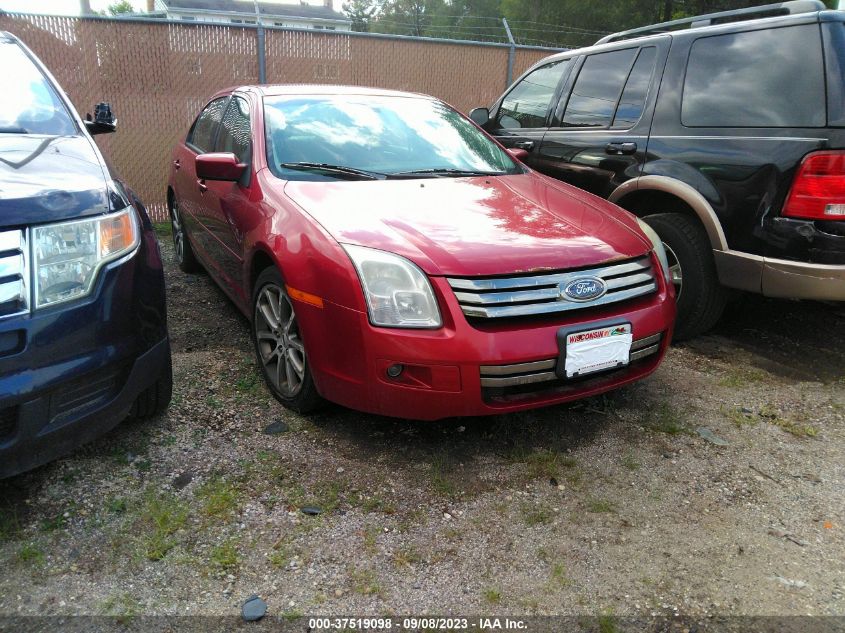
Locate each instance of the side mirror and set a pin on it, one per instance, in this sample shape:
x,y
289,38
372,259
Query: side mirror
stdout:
x,y
103,121
219,166
480,115
518,154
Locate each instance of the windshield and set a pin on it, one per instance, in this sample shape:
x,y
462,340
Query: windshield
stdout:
x,y
29,104
380,135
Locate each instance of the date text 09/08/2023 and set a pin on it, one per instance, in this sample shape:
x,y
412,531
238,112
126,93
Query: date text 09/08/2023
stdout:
x,y
416,624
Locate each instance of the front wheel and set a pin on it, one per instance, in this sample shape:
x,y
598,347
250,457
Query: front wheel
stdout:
x,y
701,298
279,346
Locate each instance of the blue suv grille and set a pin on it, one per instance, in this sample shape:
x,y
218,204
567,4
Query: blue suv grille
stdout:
x,y
14,296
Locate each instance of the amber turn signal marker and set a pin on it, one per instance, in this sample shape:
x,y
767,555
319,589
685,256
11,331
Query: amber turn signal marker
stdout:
x,y
304,297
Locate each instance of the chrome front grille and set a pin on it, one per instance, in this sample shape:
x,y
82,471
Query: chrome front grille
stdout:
x,y
500,297
498,376
14,279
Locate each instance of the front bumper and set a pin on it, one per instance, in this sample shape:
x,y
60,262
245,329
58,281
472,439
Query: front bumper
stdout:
x,y
77,411
71,372
454,371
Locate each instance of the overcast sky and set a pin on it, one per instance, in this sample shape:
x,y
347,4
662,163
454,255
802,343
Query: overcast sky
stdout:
x,y
71,7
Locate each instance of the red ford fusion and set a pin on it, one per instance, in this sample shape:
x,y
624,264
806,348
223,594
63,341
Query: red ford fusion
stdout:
x,y
393,258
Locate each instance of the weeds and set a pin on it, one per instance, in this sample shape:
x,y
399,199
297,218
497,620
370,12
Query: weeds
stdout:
x,y
665,419
225,556
161,517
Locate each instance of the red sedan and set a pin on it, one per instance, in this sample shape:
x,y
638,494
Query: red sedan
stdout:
x,y
393,258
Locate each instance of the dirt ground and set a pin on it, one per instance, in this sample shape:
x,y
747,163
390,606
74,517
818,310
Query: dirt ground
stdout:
x,y
614,505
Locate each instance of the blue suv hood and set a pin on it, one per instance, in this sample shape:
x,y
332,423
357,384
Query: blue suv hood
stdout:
x,y
49,178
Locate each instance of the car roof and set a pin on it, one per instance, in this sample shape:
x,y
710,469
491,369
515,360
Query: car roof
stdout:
x,y
273,90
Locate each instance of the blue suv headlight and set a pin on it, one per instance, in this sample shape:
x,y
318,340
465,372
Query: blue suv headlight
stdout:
x,y
67,256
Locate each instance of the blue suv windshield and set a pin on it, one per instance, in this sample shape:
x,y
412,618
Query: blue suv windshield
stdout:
x,y
29,105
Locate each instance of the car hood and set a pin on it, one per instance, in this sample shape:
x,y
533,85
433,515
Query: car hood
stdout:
x,y
48,178
474,226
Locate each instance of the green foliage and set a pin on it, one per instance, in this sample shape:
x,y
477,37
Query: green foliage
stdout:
x,y
122,6
557,23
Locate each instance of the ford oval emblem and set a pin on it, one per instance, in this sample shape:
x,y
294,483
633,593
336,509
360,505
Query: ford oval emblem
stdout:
x,y
583,289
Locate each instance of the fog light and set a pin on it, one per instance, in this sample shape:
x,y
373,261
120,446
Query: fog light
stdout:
x,y
394,370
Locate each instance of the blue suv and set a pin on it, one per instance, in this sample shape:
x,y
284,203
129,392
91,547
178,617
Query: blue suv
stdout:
x,y
83,327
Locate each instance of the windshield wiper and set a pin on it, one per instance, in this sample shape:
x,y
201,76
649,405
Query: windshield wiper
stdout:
x,y
13,129
335,169
443,171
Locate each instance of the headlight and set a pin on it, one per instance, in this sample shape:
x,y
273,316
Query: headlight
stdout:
x,y
398,293
659,250
68,255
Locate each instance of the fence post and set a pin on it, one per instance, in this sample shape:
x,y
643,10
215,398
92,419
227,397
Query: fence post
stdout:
x,y
262,59
511,53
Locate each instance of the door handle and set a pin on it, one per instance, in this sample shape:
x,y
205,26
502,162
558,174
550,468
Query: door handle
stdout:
x,y
177,164
526,145
202,186
620,148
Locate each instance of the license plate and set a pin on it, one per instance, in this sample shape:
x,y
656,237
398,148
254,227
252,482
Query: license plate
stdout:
x,y
595,350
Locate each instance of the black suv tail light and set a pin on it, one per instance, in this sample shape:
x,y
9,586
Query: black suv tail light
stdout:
x,y
818,192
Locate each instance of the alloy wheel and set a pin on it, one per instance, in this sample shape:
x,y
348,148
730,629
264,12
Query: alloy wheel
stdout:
x,y
278,340
675,272
178,232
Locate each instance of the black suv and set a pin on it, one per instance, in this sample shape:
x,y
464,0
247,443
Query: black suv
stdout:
x,y
725,132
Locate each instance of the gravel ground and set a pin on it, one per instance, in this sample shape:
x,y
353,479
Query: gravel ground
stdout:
x,y
614,505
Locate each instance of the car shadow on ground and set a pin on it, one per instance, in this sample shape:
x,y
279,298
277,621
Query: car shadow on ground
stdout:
x,y
797,340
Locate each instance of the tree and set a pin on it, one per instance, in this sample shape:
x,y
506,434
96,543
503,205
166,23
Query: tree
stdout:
x,y
122,6
361,12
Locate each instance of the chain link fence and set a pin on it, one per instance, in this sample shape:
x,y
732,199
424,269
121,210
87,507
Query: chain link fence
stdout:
x,y
157,74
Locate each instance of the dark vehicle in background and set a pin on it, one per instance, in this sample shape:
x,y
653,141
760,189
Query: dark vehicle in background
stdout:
x,y
724,132
83,330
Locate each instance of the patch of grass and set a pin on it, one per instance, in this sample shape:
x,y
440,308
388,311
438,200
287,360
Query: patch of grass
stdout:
x,y
9,525
406,557
795,428
536,515
55,522
370,534
630,462
597,505
122,606
30,553
441,477
163,229
224,556
665,419
280,556
492,595
249,383
545,464
738,417
213,402
117,505
377,504
219,498
558,575
365,582
738,377
607,622
161,516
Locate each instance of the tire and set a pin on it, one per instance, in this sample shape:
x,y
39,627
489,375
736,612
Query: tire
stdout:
x,y
184,253
156,398
701,299
279,348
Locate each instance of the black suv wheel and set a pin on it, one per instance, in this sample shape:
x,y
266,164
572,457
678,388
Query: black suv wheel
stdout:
x,y
701,300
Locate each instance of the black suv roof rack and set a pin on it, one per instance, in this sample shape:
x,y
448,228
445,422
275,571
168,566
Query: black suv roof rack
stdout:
x,y
737,15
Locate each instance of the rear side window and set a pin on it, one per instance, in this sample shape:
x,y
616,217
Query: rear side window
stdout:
x,y
597,89
234,134
771,78
527,104
203,133
631,104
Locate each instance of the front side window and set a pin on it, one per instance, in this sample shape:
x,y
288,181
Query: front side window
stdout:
x,y
30,104
235,132
770,78
204,131
598,88
527,104
382,134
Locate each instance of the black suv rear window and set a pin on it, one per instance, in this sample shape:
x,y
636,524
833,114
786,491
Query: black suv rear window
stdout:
x,y
770,78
